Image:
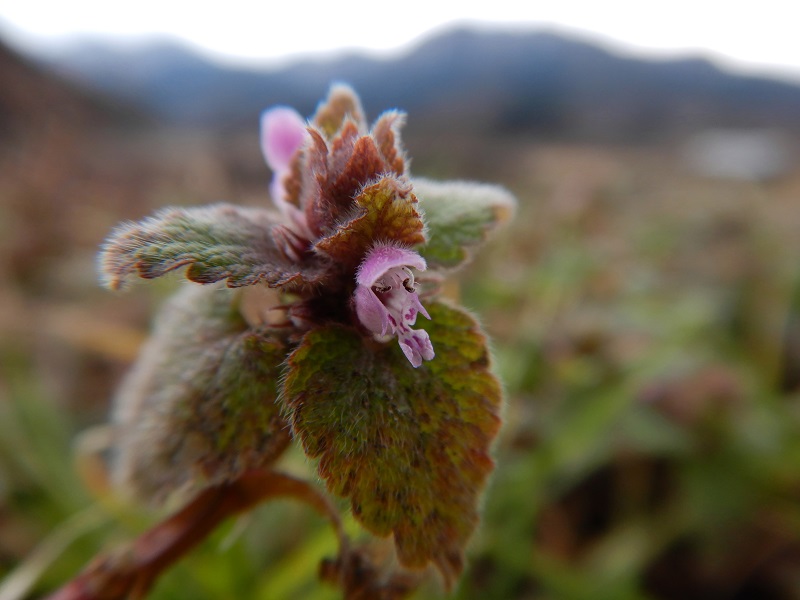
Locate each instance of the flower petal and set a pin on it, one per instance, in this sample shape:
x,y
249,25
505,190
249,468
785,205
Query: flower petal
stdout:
x,y
416,345
371,312
283,132
383,257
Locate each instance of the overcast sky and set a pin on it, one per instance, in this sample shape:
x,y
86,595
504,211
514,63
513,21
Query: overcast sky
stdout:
x,y
749,35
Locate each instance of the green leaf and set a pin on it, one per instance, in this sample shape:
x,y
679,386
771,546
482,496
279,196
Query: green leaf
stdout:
x,y
408,447
216,242
458,216
199,405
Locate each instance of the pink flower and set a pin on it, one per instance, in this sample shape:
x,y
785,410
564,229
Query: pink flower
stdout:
x,y
283,133
386,299
344,164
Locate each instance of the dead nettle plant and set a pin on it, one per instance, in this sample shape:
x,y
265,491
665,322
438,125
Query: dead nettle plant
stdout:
x,y
313,340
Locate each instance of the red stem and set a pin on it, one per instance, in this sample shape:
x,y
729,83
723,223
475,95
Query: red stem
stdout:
x,y
131,572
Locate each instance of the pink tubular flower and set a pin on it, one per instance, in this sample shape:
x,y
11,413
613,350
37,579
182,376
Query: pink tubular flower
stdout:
x,y
386,299
283,133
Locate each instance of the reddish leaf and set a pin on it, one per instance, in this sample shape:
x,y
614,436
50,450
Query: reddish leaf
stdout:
x,y
387,137
342,102
364,165
386,211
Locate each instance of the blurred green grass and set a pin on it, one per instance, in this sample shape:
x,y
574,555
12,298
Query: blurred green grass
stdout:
x,y
643,321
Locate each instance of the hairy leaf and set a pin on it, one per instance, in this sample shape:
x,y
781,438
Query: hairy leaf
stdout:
x,y
342,102
218,242
353,161
385,211
408,447
386,132
459,215
199,406
365,164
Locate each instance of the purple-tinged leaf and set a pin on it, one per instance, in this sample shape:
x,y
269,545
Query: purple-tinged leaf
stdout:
x,y
313,169
365,165
342,149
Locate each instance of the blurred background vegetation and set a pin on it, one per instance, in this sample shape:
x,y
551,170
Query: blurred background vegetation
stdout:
x,y
644,306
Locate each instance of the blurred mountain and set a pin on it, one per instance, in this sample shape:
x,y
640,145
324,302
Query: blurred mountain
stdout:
x,y
532,82
34,102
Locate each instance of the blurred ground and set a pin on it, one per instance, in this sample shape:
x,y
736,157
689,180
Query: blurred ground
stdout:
x,y
645,320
